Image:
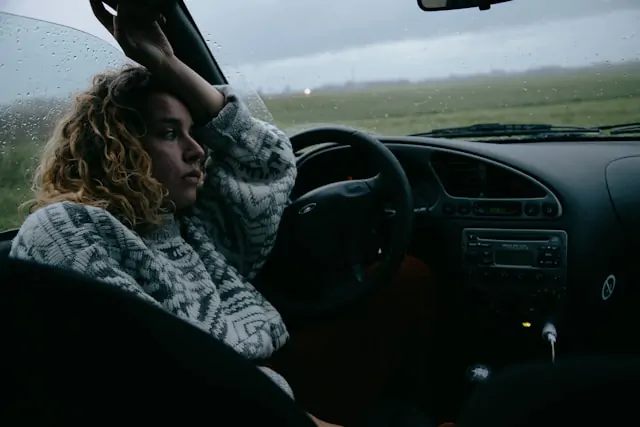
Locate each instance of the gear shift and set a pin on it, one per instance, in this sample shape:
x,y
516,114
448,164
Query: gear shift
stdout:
x,y
478,373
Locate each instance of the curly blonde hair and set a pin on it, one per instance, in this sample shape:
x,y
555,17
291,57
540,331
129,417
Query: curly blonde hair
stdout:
x,y
96,157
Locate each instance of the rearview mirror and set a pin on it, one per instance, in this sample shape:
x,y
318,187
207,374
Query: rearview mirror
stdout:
x,y
436,5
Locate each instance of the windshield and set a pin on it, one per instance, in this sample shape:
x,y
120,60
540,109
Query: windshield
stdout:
x,y
380,65
387,66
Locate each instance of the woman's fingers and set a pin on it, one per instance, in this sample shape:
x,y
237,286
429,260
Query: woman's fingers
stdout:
x,y
104,16
159,18
140,12
127,13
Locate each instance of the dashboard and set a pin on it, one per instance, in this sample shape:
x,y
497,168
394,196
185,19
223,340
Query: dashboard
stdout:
x,y
522,232
458,185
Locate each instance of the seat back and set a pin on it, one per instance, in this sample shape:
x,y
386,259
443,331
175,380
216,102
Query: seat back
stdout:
x,y
80,352
580,392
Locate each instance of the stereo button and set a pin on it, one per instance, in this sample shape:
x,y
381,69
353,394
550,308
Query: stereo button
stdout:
x,y
485,275
531,209
448,209
479,209
464,208
549,209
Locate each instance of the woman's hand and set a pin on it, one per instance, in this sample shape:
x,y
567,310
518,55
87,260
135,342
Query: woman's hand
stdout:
x,y
136,28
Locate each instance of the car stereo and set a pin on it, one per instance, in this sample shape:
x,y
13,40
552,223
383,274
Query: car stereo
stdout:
x,y
516,273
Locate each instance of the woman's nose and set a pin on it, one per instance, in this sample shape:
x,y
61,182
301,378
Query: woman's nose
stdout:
x,y
194,151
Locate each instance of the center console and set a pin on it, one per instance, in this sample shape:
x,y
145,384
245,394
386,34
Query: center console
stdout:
x,y
515,274
514,282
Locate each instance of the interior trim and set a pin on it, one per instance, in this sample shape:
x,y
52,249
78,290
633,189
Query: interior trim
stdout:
x,y
190,46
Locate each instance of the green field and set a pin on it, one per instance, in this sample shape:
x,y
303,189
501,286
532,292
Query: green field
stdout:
x,y
587,97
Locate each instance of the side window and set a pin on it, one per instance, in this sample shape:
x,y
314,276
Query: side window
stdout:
x,y
41,67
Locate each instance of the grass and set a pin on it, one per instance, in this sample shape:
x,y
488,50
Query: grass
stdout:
x,y
585,98
588,97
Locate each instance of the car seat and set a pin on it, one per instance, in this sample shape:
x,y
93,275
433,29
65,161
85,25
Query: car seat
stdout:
x,y
80,352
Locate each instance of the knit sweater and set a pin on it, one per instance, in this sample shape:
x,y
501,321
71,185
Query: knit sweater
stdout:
x,y
199,263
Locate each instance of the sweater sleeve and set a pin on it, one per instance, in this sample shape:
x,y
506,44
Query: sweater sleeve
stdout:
x,y
278,379
74,237
249,174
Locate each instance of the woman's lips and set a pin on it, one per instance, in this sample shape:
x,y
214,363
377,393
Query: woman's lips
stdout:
x,y
193,177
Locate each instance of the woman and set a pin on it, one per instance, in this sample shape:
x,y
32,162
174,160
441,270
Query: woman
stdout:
x,y
126,193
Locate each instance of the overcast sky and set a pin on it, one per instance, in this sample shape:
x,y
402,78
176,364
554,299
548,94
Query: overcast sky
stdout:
x,y
274,43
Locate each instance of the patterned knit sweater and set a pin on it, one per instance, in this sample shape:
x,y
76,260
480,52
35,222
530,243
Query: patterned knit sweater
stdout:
x,y
199,264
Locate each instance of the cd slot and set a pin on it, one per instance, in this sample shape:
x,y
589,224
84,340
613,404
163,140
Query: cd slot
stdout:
x,y
519,238
491,236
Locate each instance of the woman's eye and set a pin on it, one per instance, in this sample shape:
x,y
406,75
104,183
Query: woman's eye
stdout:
x,y
170,135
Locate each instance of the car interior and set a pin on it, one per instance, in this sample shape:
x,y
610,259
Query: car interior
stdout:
x,y
482,283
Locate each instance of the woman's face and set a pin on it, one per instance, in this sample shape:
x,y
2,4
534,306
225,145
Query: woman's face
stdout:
x,y
175,155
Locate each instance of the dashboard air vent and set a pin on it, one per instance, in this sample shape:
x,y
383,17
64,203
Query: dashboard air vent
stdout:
x,y
460,176
463,176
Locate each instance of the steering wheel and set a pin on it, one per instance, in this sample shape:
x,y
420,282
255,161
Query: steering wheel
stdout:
x,y
317,266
